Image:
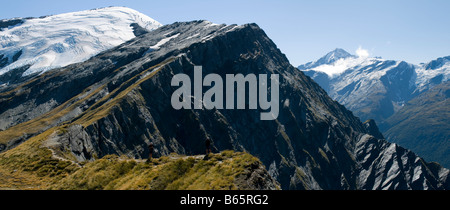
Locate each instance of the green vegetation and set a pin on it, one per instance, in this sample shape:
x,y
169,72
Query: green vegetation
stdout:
x,y
31,166
174,172
39,169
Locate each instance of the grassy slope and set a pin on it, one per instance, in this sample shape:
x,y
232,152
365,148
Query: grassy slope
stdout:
x,y
174,172
31,166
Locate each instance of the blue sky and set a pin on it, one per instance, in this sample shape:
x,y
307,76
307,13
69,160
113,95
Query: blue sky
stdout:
x,y
412,30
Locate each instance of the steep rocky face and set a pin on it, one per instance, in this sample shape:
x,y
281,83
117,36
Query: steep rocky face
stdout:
x,y
387,166
120,101
372,129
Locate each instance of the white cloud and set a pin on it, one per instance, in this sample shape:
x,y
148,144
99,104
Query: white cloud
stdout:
x,y
362,53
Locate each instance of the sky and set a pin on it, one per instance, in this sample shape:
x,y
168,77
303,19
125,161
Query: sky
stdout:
x,y
416,31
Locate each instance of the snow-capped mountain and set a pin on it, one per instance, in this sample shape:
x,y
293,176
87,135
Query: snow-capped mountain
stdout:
x,y
409,102
432,73
36,45
374,88
328,59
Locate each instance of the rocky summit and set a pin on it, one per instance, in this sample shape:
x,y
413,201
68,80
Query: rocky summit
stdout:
x,y
119,101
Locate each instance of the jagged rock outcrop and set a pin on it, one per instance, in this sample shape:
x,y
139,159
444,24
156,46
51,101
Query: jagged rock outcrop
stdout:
x,y
119,101
387,166
372,129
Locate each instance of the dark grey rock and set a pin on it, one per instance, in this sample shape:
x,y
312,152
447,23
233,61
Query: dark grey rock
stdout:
x,y
10,22
138,30
372,129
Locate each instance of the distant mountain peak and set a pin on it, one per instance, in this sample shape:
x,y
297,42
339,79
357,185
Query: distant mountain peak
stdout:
x,y
337,54
334,56
330,58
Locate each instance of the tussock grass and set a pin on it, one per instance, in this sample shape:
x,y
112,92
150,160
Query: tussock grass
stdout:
x,y
175,172
31,166
25,168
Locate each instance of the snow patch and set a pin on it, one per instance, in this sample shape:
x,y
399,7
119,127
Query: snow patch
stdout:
x,y
163,41
425,76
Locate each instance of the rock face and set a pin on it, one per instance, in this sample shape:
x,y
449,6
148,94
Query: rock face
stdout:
x,y
120,100
386,166
372,129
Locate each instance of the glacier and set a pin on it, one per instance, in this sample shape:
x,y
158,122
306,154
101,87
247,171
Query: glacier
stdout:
x,y
45,43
